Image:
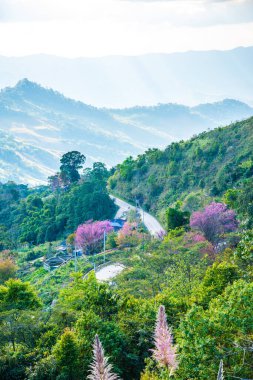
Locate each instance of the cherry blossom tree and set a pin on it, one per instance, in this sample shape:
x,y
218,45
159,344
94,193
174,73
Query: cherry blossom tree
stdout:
x,y
215,220
129,235
89,236
100,368
164,352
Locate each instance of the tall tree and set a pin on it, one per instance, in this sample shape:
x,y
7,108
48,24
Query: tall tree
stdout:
x,y
176,218
66,354
71,162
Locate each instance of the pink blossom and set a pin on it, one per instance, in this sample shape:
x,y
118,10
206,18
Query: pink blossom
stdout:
x,y
128,229
129,235
164,352
90,234
100,368
198,238
215,220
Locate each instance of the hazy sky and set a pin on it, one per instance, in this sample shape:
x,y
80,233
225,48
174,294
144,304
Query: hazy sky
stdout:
x,y
75,28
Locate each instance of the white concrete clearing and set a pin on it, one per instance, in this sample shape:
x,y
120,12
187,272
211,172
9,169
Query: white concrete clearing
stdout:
x,y
109,272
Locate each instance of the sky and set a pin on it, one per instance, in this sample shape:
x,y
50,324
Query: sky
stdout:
x,y
91,28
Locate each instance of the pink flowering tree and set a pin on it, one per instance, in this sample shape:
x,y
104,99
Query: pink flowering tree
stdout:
x,y
215,220
193,238
129,235
100,369
89,236
164,352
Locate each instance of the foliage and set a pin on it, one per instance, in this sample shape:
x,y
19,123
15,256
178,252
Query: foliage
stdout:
x,y
71,162
164,352
241,199
66,354
209,164
216,279
222,331
38,215
89,236
243,254
100,368
176,218
215,220
7,269
111,240
206,290
129,235
17,295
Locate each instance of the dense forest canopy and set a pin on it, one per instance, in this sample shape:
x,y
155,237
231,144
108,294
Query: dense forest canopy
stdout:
x,y
47,213
192,171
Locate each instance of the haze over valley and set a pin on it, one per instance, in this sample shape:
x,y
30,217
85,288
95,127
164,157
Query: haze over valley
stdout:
x,y
188,78
37,125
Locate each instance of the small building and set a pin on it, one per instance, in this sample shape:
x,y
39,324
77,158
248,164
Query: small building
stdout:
x,y
65,256
77,252
53,263
117,224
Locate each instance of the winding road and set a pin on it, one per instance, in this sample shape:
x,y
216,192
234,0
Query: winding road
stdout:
x,y
151,223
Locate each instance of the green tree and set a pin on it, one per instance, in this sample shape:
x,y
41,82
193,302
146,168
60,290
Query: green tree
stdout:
x,y
18,295
7,270
71,162
66,352
216,279
176,218
223,331
18,305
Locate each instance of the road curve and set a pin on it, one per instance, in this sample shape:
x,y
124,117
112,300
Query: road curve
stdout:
x,y
151,223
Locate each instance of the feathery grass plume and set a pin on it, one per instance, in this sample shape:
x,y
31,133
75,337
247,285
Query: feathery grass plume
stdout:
x,y
164,352
100,369
220,373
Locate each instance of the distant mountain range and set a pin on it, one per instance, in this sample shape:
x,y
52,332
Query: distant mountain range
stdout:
x,y
122,81
37,125
24,163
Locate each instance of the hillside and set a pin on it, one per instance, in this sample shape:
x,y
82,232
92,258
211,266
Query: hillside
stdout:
x,y
199,272
48,124
209,163
23,162
124,81
47,213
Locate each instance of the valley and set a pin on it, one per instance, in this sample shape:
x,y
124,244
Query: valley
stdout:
x,y
38,125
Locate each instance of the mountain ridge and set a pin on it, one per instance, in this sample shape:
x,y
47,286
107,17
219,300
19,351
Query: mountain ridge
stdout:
x,y
186,77
47,120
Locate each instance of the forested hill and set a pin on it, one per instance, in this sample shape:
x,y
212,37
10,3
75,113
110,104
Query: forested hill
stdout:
x,y
38,124
194,170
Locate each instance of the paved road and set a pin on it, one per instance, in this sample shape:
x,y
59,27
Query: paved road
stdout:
x,y
152,224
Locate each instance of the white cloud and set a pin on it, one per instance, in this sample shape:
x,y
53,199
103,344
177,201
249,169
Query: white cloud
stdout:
x,y
102,27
